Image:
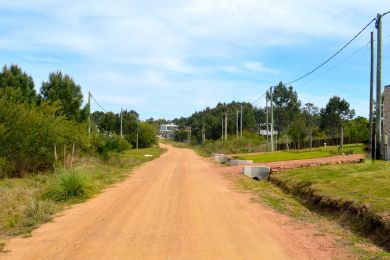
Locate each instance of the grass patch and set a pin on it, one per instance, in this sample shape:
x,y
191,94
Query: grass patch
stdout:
x,y
303,154
30,201
70,185
358,192
265,192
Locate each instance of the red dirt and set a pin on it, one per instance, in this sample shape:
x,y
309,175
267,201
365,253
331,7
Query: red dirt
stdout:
x,y
178,206
284,165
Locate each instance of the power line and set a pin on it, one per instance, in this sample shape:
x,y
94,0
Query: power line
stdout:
x,y
334,55
342,61
98,103
337,64
325,62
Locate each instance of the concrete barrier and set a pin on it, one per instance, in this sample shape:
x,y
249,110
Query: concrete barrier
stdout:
x,y
221,158
240,162
260,172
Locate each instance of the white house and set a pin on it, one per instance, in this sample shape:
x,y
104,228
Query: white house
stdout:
x,y
168,130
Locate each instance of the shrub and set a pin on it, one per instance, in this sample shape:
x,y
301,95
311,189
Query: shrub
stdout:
x,y
108,145
69,185
250,142
147,136
29,133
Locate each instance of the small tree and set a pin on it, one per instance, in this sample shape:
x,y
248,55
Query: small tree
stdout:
x,y
334,114
297,131
357,129
63,88
310,115
147,135
17,85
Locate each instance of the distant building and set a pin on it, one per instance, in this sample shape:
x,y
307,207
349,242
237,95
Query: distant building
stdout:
x,y
265,132
168,130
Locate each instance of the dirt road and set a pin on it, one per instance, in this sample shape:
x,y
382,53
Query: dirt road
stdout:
x,y
175,207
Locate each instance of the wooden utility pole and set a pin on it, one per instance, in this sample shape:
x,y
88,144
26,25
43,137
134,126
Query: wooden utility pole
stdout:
x,y
189,137
222,129
89,112
272,121
121,123
137,133
225,126
342,140
266,119
241,123
237,125
371,145
378,119
203,134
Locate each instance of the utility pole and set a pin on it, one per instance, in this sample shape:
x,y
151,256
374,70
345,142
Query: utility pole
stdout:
x,y
237,125
266,119
225,126
222,129
371,145
89,112
190,135
203,134
121,123
342,140
136,144
378,119
241,123
272,121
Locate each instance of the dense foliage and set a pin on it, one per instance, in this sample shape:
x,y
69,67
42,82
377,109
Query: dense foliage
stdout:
x,y
17,85
62,88
293,122
29,134
37,131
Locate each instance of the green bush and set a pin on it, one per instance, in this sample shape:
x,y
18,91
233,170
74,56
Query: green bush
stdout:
x,y
147,135
70,185
28,135
250,142
106,146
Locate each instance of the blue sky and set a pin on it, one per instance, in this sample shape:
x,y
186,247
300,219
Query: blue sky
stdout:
x,y
170,58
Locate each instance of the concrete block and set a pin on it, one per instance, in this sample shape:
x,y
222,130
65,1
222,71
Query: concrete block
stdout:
x,y
240,162
260,172
221,158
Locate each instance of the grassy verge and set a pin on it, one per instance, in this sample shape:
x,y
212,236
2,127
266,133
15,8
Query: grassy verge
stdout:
x,y
28,202
302,154
265,192
359,193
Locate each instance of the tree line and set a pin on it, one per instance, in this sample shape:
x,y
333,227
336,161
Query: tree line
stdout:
x,y
38,128
292,120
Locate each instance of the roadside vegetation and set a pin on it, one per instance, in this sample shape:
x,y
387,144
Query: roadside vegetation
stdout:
x,y
326,222
32,200
48,157
304,154
359,193
297,126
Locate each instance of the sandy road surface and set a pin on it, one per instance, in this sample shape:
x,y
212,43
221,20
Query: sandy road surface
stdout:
x,y
175,207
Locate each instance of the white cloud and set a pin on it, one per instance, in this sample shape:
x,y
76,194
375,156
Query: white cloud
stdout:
x,y
119,47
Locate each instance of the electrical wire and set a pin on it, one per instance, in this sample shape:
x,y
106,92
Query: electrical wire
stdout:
x,y
98,103
337,64
326,61
334,55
